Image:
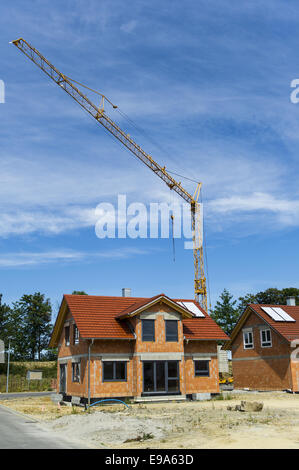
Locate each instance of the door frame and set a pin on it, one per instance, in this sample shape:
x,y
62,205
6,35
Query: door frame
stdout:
x,y
165,392
62,366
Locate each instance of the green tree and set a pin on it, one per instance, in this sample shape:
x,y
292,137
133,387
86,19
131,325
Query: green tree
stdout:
x,y
33,316
19,344
246,300
5,324
225,313
79,292
270,296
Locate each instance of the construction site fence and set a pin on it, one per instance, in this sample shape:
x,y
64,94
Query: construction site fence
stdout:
x,y
21,384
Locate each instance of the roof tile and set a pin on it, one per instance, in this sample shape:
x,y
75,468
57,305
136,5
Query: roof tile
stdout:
x,y
96,317
289,330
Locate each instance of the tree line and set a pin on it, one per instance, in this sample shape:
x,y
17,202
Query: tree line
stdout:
x,y
27,326
228,310
27,323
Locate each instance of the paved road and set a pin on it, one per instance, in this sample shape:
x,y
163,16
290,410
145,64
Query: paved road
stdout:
x,y
8,396
19,432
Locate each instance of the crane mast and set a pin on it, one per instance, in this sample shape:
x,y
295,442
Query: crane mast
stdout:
x,y
98,113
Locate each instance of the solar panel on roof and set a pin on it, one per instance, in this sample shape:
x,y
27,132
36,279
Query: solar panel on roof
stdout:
x,y
274,315
182,304
283,314
192,308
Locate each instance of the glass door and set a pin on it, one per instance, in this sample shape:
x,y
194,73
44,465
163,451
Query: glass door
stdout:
x,y
161,377
62,381
173,377
148,377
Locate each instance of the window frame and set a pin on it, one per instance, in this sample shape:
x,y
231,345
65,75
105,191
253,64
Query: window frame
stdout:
x,y
251,344
167,322
197,372
78,375
143,335
67,337
265,344
114,371
76,335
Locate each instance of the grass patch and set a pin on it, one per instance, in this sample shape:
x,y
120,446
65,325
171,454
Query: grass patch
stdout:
x,y
18,372
221,397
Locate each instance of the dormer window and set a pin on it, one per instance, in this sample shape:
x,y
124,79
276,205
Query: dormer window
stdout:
x,y
148,330
171,330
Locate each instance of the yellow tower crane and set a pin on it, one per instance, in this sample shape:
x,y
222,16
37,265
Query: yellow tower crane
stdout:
x,y
67,84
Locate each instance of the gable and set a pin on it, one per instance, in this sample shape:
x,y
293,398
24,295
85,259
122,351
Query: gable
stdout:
x,y
151,314
146,304
253,323
287,330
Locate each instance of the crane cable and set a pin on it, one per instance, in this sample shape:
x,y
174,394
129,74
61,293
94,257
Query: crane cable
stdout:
x,y
205,254
142,131
172,227
137,127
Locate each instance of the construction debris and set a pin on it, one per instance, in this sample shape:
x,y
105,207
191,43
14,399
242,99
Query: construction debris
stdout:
x,y
247,406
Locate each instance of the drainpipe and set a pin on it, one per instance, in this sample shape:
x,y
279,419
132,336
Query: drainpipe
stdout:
x,y
185,385
89,349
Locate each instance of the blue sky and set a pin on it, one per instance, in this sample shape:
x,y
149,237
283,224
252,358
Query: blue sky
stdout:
x,y
209,82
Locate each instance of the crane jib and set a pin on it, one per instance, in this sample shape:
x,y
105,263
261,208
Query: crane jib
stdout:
x,y
98,113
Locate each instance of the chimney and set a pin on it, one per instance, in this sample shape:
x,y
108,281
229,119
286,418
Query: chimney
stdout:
x,y
126,292
291,301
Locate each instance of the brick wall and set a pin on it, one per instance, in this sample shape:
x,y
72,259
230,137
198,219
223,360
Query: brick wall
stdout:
x,y
295,376
261,368
201,384
160,344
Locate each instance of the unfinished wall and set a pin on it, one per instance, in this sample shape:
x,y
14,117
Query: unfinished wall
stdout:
x,y
261,368
135,352
295,374
201,350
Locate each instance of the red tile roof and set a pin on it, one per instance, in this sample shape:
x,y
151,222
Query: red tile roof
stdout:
x,y
289,330
201,328
97,317
138,306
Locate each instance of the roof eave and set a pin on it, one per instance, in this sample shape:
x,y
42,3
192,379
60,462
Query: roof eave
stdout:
x,y
108,337
206,339
53,343
241,321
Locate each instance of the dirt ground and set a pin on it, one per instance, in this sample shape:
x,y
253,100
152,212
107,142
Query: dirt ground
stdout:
x,y
201,425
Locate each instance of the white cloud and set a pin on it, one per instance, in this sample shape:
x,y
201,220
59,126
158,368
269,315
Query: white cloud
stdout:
x,y
128,27
56,191
64,256
29,259
287,211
